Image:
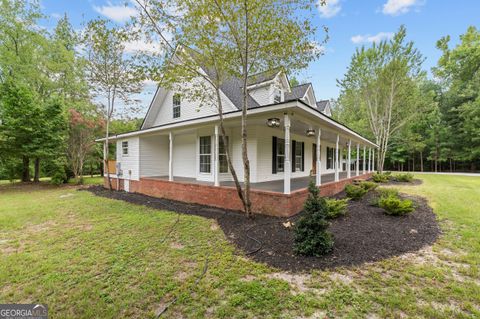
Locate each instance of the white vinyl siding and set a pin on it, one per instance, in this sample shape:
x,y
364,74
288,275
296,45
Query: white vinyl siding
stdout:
x,y
154,155
129,164
162,109
262,95
184,155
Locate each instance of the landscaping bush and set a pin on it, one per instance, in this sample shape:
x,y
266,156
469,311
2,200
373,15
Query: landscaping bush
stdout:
x,y
384,192
336,207
59,176
393,205
311,235
381,177
368,185
355,191
405,177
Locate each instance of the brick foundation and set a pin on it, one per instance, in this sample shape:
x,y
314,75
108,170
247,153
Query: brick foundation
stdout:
x,y
263,202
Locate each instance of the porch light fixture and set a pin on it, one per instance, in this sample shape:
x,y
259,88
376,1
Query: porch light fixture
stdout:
x,y
310,132
273,122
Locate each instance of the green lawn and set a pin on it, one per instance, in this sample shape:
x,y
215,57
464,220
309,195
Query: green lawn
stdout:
x,y
88,257
87,180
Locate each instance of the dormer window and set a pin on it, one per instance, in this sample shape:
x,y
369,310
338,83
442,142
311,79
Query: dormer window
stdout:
x,y
277,95
176,105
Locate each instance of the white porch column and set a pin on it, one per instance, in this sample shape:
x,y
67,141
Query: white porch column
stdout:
x,y
170,157
357,166
337,162
287,164
318,180
364,159
373,160
349,159
216,161
369,159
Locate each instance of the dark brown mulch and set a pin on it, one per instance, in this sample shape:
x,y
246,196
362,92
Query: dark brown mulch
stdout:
x,y
365,234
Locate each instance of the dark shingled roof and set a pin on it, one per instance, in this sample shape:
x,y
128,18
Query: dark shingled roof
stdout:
x,y
297,92
263,76
321,105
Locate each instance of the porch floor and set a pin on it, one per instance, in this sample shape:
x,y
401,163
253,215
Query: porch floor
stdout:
x,y
272,186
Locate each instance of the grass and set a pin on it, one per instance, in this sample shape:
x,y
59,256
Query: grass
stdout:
x,y
87,257
87,180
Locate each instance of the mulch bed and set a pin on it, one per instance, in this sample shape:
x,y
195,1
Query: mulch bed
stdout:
x,y
365,234
414,182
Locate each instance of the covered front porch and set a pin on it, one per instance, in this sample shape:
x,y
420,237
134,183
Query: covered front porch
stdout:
x,y
271,186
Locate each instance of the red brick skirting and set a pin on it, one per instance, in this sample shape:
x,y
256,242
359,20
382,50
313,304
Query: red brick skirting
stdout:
x,y
263,202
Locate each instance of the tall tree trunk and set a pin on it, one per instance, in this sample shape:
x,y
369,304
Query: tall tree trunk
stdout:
x,y
36,177
421,161
26,169
413,162
246,162
227,150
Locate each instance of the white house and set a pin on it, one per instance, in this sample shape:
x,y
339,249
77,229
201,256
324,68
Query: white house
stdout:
x,y
291,139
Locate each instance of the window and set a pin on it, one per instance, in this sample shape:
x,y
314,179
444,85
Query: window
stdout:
x,y
330,157
298,153
280,155
277,96
205,153
125,148
176,105
222,156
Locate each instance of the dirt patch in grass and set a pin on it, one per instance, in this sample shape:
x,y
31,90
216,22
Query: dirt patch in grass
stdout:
x,y
364,235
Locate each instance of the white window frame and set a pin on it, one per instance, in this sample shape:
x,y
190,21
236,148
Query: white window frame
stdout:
x,y
176,105
124,148
298,157
277,93
280,157
204,155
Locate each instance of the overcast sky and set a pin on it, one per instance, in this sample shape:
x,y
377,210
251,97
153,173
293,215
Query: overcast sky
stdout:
x,y
351,24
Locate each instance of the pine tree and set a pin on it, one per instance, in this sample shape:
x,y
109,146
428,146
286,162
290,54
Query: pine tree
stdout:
x,y
311,235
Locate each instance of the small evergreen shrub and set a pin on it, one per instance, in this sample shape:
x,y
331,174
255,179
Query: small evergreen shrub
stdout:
x,y
405,177
336,207
355,192
368,185
59,176
311,235
381,177
395,206
384,192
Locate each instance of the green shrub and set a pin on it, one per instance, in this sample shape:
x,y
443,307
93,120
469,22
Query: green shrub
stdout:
x,y
336,207
405,177
355,191
368,185
381,177
311,235
59,176
396,206
384,192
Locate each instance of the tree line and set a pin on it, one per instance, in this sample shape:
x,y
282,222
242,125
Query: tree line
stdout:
x,y
50,114
420,124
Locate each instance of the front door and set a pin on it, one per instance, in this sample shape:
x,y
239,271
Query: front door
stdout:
x,y
314,159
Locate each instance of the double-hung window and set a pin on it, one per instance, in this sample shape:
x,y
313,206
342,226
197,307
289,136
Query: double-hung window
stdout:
x,y
222,155
330,157
277,95
177,101
298,153
125,148
205,154
280,155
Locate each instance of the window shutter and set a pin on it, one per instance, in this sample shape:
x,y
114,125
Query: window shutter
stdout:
x,y
293,155
274,155
303,156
